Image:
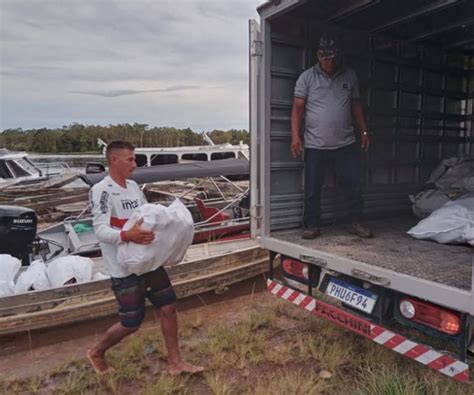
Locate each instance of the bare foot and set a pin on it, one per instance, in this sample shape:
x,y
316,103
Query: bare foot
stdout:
x,y
183,367
99,363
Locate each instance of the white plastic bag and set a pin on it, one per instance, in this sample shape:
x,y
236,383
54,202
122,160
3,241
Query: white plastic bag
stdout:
x,y
7,288
69,269
452,223
451,172
428,201
9,266
99,276
173,227
34,278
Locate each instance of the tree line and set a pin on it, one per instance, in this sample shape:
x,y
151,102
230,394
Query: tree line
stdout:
x,y
83,138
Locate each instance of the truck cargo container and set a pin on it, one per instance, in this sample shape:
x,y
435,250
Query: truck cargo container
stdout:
x,y
415,64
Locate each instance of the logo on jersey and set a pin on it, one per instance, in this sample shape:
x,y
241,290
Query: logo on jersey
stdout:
x,y
128,204
104,198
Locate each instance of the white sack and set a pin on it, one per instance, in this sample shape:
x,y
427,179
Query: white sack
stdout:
x,y
452,223
34,278
428,201
173,227
7,288
466,184
9,268
452,172
100,276
64,269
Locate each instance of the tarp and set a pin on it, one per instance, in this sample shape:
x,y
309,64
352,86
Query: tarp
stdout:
x,y
215,168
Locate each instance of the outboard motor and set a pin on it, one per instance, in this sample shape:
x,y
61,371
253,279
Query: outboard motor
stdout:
x,y
17,232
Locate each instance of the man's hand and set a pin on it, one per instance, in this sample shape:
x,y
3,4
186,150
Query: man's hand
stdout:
x,y
136,235
296,146
365,142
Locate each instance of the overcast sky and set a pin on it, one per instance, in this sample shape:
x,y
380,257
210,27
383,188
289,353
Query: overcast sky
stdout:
x,y
179,63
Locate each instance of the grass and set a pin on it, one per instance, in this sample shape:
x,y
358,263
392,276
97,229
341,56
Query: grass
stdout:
x,y
268,347
298,381
389,382
218,385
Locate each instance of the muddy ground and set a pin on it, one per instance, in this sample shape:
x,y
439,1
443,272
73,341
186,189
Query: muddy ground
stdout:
x,y
249,341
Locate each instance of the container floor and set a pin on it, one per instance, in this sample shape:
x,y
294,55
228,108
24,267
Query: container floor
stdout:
x,y
393,249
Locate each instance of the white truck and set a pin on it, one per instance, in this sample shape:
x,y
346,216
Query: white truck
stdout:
x,y
415,63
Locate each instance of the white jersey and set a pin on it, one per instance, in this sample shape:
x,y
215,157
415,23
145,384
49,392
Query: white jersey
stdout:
x,y
112,206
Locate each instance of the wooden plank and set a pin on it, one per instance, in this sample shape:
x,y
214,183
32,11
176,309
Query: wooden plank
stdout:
x,y
107,305
198,258
44,300
53,203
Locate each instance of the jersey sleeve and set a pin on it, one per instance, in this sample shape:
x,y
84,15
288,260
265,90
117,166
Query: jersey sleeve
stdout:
x,y
101,205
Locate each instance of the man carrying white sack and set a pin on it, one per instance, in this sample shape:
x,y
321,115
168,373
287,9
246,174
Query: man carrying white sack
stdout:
x,y
113,201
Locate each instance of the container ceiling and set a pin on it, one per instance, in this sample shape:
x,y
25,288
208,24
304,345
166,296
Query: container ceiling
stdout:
x,y
446,23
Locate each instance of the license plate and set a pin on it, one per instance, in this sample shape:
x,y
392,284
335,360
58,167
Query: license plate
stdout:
x,y
356,297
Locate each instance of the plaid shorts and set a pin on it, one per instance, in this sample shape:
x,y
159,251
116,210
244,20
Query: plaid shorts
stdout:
x,y
132,290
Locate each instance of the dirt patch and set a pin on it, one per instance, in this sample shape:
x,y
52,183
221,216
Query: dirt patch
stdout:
x,y
32,353
250,343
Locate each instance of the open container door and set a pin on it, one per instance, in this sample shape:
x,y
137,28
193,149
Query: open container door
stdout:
x,y
255,60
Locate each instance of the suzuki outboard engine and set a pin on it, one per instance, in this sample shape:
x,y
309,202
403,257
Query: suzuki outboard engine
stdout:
x,y
17,232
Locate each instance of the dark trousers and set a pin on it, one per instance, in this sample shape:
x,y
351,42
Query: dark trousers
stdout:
x,y
346,162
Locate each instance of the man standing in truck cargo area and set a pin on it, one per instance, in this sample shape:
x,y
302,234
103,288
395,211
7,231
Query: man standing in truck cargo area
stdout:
x,y
327,99
113,201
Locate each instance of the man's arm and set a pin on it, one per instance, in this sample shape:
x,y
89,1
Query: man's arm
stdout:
x,y
297,116
360,121
101,212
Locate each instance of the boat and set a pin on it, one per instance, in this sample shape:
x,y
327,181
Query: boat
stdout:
x,y
17,170
225,168
216,220
158,156
55,202
206,267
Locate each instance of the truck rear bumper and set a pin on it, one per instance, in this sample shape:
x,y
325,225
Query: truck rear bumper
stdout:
x,y
442,363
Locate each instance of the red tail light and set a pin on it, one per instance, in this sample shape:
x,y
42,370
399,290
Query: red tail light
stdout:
x,y
295,268
446,321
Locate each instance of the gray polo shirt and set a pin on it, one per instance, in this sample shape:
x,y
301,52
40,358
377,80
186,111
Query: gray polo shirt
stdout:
x,y
328,116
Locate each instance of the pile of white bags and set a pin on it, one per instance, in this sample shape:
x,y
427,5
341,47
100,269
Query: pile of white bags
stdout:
x,y
34,278
452,178
9,267
39,276
452,223
173,228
